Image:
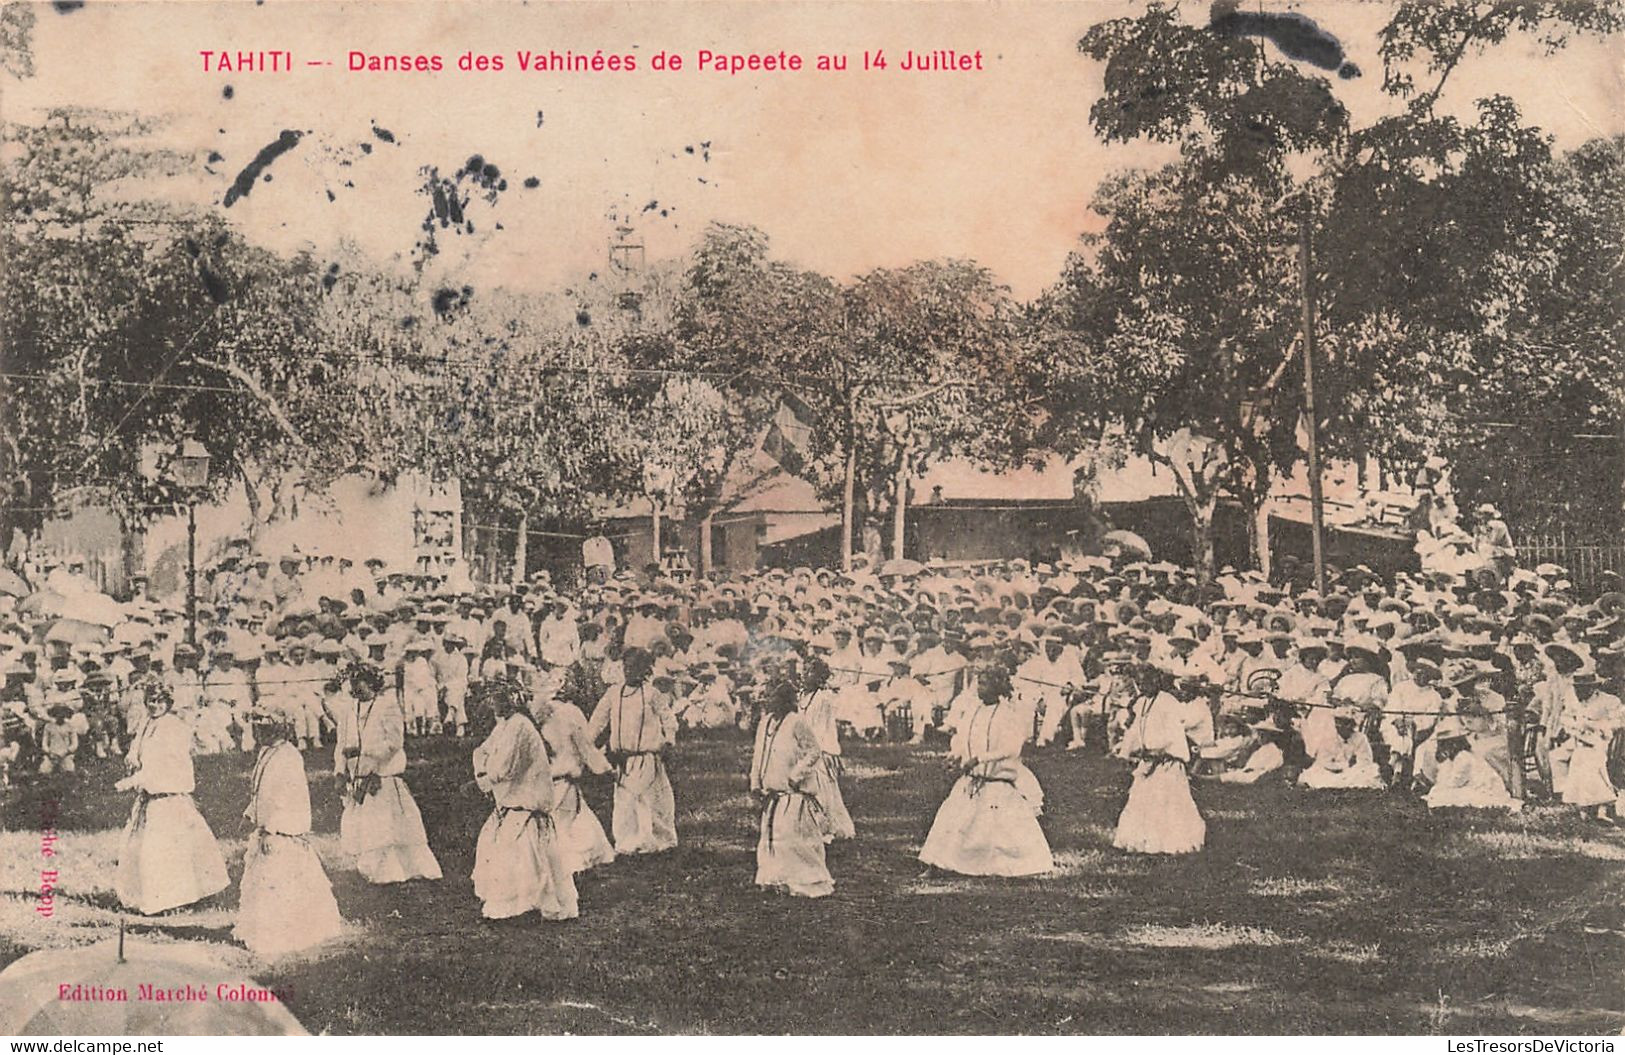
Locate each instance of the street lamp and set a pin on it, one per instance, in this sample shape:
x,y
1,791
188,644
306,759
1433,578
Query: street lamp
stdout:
x,y
191,471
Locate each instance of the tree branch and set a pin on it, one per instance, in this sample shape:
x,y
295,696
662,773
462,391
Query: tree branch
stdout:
x,y
908,400
255,389
1267,387
1467,37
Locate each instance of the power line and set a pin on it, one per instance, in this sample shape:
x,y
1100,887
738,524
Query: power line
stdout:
x,y
174,357
111,382
1513,423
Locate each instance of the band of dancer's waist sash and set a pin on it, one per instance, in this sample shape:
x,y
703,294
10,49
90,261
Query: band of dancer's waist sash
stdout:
x,y
773,800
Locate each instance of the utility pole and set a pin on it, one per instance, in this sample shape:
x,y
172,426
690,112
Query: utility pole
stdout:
x,y
849,481
1316,502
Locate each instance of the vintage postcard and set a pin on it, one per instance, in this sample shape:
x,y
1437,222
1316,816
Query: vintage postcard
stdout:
x,y
810,518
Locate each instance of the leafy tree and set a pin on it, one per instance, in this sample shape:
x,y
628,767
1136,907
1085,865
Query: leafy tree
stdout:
x,y
17,39
1184,323
1200,336
505,393
131,325
1438,36
712,378
915,364
1539,430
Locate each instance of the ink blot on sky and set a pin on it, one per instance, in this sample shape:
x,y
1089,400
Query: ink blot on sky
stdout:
x,y
1298,37
252,171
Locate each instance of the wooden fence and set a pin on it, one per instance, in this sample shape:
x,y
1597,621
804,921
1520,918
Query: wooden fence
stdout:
x,y
1584,560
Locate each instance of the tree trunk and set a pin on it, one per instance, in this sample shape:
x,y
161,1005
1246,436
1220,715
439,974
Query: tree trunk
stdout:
x,y
1258,538
492,546
1200,493
654,532
470,539
521,549
705,542
252,495
131,545
1202,538
900,510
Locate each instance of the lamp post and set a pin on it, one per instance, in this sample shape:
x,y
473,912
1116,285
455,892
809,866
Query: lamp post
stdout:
x,y
191,475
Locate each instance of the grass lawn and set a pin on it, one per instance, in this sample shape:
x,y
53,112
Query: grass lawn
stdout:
x,y
1308,912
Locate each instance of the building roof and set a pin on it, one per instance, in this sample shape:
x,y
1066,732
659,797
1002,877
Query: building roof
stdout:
x,y
1050,480
757,484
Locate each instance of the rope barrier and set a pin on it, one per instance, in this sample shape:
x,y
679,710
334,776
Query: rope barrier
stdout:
x,y
1094,689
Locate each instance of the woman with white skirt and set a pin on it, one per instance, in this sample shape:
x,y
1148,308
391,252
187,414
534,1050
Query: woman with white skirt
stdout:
x,y
790,846
1464,779
381,826
517,864
988,824
168,857
1346,759
818,711
287,902
581,837
1590,723
1160,816
636,722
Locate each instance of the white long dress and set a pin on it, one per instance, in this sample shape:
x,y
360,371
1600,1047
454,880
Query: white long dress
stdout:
x,y
287,902
168,857
1160,816
581,837
790,843
381,826
1344,763
419,690
1591,724
517,864
988,824
818,711
1468,780
639,725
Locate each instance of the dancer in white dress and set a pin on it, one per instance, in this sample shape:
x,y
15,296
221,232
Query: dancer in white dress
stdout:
x,y
168,857
1160,816
818,711
381,826
518,866
287,902
790,847
637,722
569,744
988,824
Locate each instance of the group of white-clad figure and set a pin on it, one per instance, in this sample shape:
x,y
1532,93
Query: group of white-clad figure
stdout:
x,y
988,825
540,833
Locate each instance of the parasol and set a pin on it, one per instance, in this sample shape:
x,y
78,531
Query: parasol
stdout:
x,y
12,583
231,1004
76,632
1125,544
901,566
88,607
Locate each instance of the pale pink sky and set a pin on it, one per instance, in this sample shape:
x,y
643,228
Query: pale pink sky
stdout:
x,y
845,171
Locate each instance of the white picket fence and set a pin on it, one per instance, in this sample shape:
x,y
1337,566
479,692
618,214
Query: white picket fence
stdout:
x,y
1585,561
